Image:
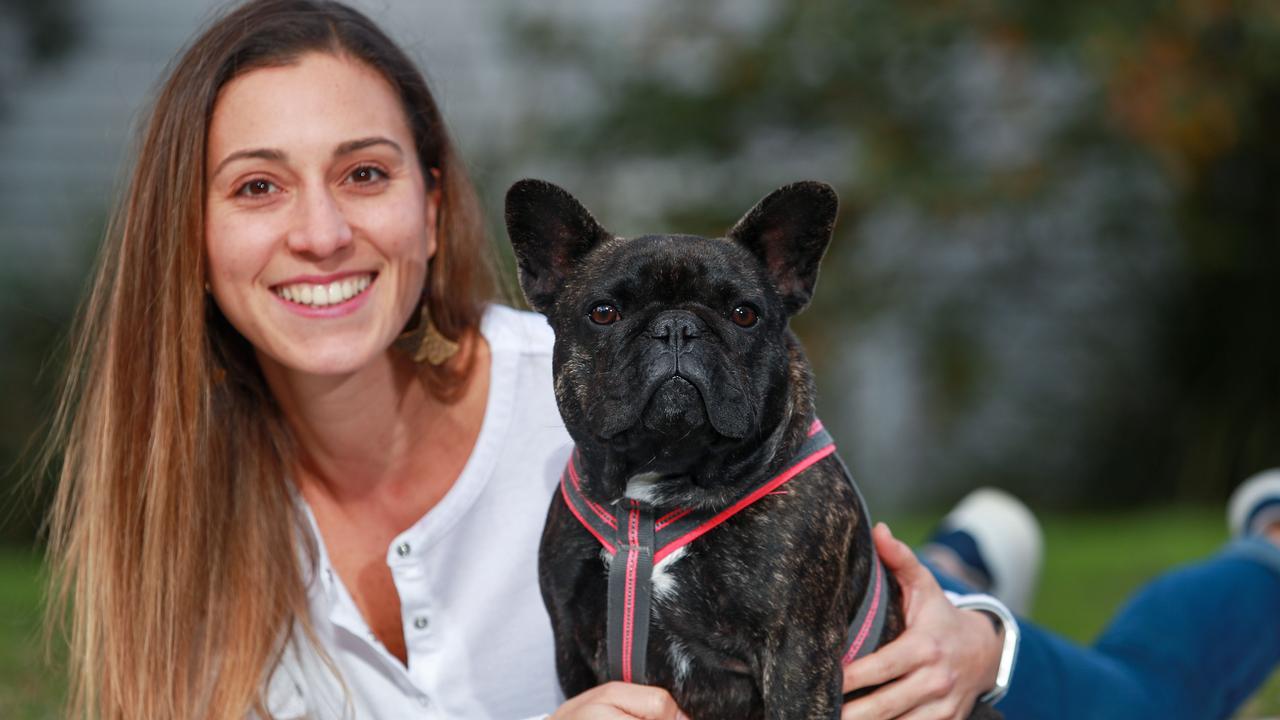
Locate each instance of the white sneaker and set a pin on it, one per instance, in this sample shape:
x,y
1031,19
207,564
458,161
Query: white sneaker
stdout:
x,y
1008,542
1255,504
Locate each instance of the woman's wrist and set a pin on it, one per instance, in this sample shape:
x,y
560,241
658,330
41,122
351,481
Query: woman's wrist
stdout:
x,y
989,643
998,641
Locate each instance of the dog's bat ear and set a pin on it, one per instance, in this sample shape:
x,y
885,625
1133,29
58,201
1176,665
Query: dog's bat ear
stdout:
x,y
789,231
550,231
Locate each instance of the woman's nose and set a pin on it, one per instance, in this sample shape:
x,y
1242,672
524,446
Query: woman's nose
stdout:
x,y
320,228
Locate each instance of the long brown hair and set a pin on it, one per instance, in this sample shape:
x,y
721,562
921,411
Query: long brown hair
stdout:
x,y
174,538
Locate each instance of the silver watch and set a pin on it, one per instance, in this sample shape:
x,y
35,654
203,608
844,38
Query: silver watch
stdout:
x,y
1009,655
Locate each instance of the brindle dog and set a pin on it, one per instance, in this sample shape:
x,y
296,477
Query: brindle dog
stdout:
x,y
683,388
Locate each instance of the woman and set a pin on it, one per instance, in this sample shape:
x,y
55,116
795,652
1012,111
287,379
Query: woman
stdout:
x,y
242,443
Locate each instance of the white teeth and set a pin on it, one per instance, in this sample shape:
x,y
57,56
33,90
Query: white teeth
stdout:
x,y
325,295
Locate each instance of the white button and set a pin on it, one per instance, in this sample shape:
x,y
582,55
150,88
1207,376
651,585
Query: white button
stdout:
x,y
420,623
403,549
423,701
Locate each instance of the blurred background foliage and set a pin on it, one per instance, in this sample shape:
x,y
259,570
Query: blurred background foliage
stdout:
x,y
1056,264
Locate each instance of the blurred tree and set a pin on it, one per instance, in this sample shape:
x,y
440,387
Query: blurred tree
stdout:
x,y
1064,273
1198,85
34,312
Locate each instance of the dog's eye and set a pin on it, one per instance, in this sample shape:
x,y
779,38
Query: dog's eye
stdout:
x,y
605,314
744,316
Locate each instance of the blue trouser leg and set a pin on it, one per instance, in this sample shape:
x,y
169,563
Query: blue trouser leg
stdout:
x,y
1194,643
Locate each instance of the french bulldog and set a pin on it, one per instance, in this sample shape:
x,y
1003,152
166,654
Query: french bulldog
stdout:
x,y
705,537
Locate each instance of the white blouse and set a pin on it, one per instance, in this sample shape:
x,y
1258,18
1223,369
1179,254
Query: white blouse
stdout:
x,y
478,638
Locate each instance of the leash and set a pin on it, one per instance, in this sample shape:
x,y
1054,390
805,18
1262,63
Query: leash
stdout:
x,y
637,541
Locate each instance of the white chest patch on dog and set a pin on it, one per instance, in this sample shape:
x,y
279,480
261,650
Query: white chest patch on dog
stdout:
x,y
640,487
664,583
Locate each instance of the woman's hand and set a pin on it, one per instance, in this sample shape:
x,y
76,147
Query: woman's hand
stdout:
x,y
617,700
940,664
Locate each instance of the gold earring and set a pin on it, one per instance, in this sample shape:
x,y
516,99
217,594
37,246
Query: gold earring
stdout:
x,y
425,342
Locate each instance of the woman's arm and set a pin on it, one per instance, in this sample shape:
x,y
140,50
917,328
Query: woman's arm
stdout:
x,y
941,664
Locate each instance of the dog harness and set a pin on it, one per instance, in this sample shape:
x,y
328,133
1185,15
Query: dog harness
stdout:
x,y
637,541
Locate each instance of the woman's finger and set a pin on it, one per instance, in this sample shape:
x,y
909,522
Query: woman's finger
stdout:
x,y
890,662
945,709
898,558
891,701
616,700
642,701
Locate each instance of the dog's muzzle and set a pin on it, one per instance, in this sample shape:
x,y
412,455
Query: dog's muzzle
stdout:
x,y
676,408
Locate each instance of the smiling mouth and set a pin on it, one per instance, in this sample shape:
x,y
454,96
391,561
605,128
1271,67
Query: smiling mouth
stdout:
x,y
325,294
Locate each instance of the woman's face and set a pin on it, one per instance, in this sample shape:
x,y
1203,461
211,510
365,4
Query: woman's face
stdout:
x,y
318,221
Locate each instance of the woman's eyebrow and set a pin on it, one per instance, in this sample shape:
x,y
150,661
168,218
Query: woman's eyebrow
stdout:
x,y
351,146
259,153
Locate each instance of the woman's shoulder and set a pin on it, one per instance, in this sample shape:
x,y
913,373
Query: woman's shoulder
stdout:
x,y
508,329
520,344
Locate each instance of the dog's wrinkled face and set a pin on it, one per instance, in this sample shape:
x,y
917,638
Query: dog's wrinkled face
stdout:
x,y
670,349
668,340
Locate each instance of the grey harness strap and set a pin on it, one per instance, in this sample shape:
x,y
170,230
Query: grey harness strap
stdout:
x,y
630,596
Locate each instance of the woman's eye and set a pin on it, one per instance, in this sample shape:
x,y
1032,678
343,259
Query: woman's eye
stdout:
x,y
744,316
366,174
605,314
257,188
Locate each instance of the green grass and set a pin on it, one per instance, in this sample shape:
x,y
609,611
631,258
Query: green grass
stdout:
x,y
1092,563
29,690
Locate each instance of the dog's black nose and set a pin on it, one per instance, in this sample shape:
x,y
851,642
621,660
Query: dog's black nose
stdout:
x,y
676,327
